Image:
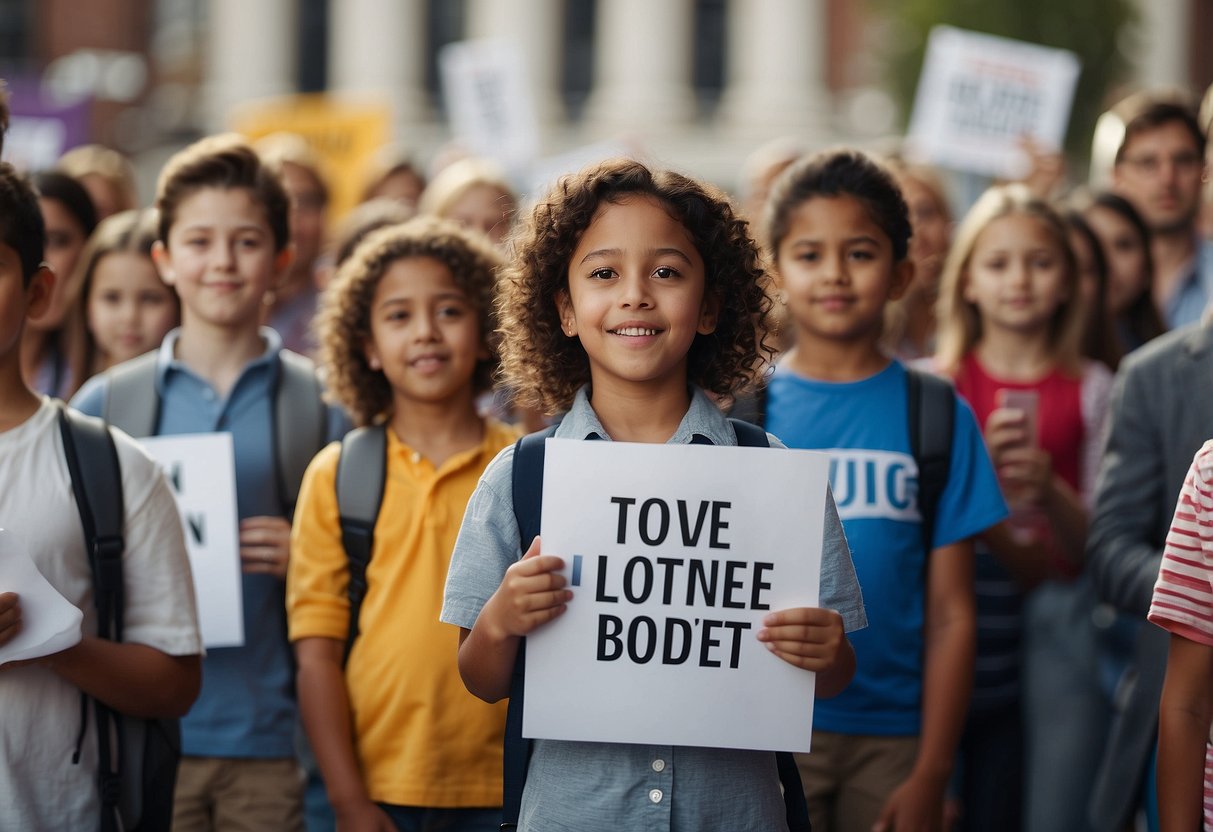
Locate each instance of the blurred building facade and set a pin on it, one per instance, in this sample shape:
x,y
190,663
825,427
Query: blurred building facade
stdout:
x,y
697,83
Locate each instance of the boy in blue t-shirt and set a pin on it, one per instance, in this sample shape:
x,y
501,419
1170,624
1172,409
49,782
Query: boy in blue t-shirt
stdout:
x,y
838,232
223,246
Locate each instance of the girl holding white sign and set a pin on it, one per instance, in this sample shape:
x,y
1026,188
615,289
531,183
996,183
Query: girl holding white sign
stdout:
x,y
633,294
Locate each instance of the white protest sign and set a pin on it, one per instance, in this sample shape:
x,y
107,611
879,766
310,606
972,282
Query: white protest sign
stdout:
x,y
49,622
674,554
201,469
980,95
489,100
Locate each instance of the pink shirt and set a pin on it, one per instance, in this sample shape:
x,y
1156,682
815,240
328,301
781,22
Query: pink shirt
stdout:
x,y
1183,595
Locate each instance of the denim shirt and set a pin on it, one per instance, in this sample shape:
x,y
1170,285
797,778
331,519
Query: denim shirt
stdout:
x,y
588,786
1193,293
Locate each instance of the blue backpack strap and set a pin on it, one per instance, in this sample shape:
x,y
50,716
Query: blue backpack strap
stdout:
x,y
931,405
527,487
361,478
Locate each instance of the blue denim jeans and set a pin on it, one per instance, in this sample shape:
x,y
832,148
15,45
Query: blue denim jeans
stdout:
x,y
419,819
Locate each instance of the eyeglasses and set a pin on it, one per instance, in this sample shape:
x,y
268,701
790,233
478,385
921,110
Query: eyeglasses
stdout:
x,y
1151,164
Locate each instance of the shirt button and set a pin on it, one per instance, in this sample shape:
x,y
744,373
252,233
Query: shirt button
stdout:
x,y
416,457
659,765
655,795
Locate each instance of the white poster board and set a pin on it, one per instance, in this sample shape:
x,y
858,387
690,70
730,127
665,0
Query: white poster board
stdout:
x,y
489,101
674,554
201,469
980,95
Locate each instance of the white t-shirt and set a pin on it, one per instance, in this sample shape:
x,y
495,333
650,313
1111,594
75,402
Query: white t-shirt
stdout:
x,y
40,715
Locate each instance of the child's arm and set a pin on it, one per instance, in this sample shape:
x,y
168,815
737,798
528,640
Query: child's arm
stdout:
x,y
1027,476
814,639
324,706
1183,729
10,617
951,637
131,678
265,545
531,594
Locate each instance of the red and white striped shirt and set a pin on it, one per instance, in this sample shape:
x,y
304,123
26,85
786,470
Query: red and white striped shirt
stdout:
x,y
1183,595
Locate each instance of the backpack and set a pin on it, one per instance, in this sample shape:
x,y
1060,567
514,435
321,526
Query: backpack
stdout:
x,y
361,477
299,426
931,418
137,791
528,500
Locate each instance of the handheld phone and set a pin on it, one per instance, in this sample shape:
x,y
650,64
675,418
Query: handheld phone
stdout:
x,y
1028,403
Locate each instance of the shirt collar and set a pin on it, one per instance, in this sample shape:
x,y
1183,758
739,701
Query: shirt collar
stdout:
x,y
166,359
703,419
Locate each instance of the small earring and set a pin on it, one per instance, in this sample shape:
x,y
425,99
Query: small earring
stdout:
x,y
374,362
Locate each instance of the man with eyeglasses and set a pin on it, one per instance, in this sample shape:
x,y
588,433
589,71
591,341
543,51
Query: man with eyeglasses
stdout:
x,y
1160,167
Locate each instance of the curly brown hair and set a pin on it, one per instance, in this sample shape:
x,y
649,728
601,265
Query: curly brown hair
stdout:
x,y
544,366
343,322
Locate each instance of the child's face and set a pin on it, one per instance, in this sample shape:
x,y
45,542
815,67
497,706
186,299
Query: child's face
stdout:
x,y
1017,274
836,267
425,333
483,208
129,307
18,301
1125,251
220,257
65,240
636,296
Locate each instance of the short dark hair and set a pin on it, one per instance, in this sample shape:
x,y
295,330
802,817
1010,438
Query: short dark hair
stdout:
x,y
68,192
834,173
21,225
224,161
1149,110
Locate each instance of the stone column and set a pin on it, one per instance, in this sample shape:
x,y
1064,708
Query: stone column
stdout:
x,y
536,28
251,54
378,47
1162,59
775,81
642,66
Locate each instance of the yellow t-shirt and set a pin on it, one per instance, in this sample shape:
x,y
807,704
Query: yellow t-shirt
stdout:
x,y
421,739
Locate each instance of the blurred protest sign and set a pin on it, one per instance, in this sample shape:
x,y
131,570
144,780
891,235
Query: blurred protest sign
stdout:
x,y
489,101
201,468
980,95
42,127
345,135
674,558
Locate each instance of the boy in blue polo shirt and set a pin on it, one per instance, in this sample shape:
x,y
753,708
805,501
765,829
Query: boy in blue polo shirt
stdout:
x,y
223,245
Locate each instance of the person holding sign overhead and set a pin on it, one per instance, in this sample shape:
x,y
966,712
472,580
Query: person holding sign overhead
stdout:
x,y
632,295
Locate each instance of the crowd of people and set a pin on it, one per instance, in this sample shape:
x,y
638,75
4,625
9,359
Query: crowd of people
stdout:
x,y
1015,624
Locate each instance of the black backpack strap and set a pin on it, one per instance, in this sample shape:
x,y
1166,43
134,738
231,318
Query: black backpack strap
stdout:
x,y
750,435
89,447
527,487
752,407
931,402
132,402
797,809
361,479
300,422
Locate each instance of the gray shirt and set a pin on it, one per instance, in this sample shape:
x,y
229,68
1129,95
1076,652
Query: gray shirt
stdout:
x,y
609,786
